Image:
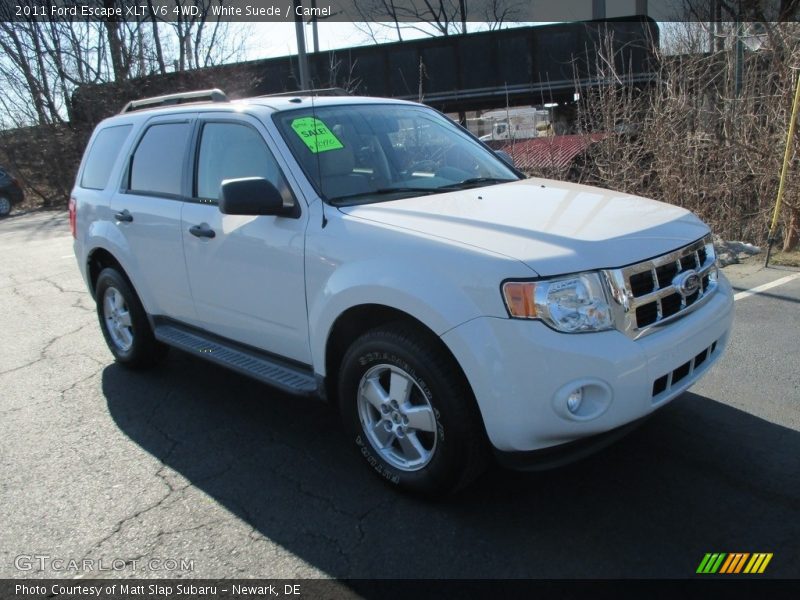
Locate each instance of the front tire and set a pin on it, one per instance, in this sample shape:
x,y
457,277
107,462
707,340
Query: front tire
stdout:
x,y
408,407
124,322
5,206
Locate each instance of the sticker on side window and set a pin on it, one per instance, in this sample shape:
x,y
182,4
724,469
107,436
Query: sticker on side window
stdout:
x,y
316,135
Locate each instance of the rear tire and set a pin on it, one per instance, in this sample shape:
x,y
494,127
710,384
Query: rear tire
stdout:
x,y
410,411
124,322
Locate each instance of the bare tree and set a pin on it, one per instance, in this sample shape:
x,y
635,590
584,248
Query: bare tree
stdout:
x,y
432,17
497,13
200,38
689,139
369,10
341,78
42,62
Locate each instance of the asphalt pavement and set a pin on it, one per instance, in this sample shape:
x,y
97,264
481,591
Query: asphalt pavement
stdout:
x,y
192,471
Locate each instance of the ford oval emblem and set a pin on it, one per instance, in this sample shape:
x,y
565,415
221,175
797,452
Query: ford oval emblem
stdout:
x,y
687,283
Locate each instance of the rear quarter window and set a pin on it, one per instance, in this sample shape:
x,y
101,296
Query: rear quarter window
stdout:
x,y
102,156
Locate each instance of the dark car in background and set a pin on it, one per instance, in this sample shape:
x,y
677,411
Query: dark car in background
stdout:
x,y
10,192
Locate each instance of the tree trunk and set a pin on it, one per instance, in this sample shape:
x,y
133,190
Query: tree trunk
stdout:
x,y
22,60
115,49
792,237
44,84
162,67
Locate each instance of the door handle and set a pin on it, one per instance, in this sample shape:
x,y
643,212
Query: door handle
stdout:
x,y
202,230
124,216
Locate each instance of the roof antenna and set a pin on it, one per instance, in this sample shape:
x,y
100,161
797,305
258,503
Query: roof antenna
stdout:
x,y
319,168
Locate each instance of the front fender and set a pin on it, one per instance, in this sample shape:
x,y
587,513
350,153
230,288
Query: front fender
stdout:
x,y
352,262
425,295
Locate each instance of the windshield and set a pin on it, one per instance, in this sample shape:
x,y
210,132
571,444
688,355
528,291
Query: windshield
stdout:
x,y
363,153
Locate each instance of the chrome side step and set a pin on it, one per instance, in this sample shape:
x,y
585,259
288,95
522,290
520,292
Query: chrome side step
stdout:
x,y
271,371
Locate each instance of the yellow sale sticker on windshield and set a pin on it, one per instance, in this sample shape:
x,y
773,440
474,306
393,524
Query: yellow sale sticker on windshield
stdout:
x,y
316,135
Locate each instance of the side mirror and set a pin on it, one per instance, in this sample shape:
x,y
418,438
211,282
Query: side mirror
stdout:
x,y
251,196
505,157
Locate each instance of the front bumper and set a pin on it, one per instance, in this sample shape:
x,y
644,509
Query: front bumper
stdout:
x,y
557,456
521,372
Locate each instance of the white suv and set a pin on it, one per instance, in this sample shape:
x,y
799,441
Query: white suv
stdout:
x,y
374,253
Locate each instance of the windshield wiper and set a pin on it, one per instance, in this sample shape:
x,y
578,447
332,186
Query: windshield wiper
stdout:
x,y
473,182
384,192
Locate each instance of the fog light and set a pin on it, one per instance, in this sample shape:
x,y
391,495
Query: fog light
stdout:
x,y
574,401
582,399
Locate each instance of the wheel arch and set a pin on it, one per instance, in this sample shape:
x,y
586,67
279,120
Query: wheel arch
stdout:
x,y
357,320
99,259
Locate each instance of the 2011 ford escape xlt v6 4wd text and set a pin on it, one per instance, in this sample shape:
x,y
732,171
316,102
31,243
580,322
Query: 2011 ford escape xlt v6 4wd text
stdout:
x,y
374,253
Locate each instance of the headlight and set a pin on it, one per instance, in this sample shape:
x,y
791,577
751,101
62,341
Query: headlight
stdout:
x,y
572,304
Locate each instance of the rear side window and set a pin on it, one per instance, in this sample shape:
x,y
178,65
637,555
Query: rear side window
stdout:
x,y
157,165
102,156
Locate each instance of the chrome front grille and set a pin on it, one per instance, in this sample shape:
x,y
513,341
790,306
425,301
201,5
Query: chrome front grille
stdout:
x,y
654,292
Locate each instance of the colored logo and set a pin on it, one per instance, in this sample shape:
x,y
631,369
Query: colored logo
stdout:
x,y
734,562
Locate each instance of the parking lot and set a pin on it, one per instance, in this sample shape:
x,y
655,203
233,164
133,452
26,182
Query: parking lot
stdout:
x,y
192,471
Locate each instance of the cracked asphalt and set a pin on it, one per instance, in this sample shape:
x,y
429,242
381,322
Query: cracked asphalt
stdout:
x,y
230,478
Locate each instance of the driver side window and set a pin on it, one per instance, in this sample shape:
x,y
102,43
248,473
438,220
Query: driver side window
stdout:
x,y
232,151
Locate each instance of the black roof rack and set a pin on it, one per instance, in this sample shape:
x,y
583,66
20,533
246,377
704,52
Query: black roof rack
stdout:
x,y
333,91
214,95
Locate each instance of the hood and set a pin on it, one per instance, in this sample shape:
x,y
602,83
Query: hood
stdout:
x,y
553,227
